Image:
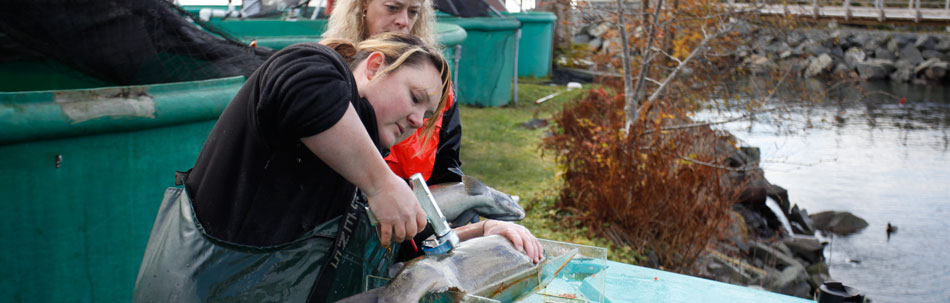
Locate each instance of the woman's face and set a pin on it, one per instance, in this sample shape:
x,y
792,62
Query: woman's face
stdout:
x,y
383,16
401,99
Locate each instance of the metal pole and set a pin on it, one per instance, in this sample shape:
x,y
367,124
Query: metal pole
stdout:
x,y
455,74
515,78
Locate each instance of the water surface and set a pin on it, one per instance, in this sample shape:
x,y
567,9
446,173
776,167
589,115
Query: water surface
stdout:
x,y
881,160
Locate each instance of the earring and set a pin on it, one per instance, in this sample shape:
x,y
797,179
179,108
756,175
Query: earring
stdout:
x,y
364,13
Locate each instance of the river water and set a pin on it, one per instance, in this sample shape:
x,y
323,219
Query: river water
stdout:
x,y
885,162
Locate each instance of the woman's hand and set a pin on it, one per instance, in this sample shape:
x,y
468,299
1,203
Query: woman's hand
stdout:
x,y
397,211
519,235
348,149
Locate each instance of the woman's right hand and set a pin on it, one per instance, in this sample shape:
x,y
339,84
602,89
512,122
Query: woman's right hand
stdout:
x,y
396,209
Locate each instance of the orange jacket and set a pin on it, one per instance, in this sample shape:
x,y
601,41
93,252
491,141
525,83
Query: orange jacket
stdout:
x,y
439,157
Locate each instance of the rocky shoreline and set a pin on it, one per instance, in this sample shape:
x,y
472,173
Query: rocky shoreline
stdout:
x,y
922,58
849,53
773,249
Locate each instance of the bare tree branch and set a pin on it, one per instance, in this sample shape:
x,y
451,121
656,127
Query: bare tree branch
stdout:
x,y
629,102
632,108
692,54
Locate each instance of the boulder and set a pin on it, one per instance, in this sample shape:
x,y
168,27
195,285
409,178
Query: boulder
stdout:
x,y
841,223
791,279
931,54
837,53
875,69
943,44
800,218
932,69
817,50
819,65
883,53
911,54
853,56
924,42
841,70
760,65
902,74
794,38
808,248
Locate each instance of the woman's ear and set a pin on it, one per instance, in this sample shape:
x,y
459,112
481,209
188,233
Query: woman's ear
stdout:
x,y
375,63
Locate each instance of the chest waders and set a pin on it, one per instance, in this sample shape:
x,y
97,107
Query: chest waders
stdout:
x,y
182,263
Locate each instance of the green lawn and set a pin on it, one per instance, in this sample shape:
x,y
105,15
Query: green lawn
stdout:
x,y
506,156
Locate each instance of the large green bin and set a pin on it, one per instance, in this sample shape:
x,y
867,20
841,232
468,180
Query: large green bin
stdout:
x,y
82,173
536,46
486,68
277,33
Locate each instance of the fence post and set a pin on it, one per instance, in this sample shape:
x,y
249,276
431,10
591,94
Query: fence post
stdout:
x,y
847,10
814,5
880,10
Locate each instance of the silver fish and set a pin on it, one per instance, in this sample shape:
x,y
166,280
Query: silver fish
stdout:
x,y
470,266
456,198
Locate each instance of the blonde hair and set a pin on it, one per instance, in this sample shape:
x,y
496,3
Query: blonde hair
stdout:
x,y
347,21
398,49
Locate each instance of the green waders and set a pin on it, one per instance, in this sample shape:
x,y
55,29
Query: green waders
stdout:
x,y
182,263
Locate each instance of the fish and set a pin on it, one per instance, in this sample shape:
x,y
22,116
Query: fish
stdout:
x,y
454,198
470,266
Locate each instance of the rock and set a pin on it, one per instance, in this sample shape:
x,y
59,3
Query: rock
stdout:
x,y
817,50
883,53
943,45
819,66
931,54
837,53
808,248
932,69
860,39
800,218
760,65
598,30
777,47
842,223
791,280
817,268
854,56
794,38
903,73
893,45
732,270
780,196
911,54
581,39
841,70
924,42
875,69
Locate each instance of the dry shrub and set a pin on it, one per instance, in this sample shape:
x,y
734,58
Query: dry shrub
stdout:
x,y
644,189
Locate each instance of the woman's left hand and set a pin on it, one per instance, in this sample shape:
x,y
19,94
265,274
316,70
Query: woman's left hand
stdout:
x,y
519,235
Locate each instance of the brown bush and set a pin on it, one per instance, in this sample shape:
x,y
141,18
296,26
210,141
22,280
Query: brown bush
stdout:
x,y
646,188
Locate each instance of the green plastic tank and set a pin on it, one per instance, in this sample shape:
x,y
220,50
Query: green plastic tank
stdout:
x,y
536,46
82,173
486,68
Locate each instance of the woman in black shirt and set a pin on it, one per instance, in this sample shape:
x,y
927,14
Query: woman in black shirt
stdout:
x,y
269,210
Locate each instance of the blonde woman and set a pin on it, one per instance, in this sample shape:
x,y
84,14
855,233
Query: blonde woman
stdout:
x,y
434,154
275,207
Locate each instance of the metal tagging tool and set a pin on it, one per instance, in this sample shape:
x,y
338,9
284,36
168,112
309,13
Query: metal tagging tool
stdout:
x,y
445,238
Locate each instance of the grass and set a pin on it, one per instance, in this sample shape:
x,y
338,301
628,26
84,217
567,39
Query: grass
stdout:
x,y
503,154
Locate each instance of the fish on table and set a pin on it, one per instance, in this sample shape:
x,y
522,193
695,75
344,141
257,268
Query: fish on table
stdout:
x,y
457,197
470,266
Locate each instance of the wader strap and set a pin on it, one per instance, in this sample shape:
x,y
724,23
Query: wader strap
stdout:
x,y
181,177
321,287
